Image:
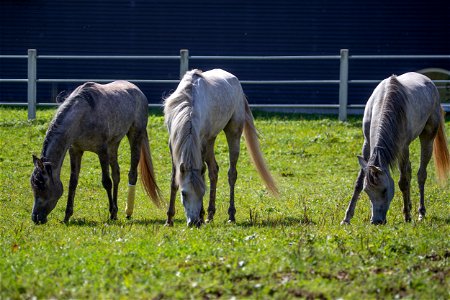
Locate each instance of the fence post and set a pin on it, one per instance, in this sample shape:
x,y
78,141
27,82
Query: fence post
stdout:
x,y
343,85
184,62
31,84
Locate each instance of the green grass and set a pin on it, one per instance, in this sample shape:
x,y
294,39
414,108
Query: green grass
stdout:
x,y
279,248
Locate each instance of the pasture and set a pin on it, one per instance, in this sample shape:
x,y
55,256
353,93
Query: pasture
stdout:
x,y
282,248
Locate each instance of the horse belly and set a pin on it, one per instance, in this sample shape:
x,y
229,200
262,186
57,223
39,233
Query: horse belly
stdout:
x,y
96,137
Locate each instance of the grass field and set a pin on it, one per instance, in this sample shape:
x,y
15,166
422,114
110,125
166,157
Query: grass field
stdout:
x,y
291,247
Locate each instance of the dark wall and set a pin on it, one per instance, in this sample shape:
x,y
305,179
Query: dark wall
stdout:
x,y
222,28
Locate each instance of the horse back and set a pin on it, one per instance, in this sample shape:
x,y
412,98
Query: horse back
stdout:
x,y
423,102
106,112
218,98
411,98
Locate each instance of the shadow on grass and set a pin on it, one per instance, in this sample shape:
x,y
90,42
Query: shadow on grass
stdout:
x,y
271,222
277,222
440,220
83,222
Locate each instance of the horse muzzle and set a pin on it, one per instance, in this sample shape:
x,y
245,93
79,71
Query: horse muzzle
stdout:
x,y
39,219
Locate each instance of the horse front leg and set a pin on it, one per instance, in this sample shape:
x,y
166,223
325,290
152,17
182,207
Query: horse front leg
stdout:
x,y
106,181
213,173
404,184
173,195
356,192
75,166
358,187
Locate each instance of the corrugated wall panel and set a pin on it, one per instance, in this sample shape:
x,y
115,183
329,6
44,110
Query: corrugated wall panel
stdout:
x,y
223,28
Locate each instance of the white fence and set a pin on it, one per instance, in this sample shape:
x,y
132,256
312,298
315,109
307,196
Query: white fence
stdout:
x,y
184,59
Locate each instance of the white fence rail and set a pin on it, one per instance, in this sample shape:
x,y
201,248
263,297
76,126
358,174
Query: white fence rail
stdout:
x,y
184,59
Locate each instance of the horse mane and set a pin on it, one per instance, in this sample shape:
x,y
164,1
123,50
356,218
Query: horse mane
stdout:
x,y
181,122
392,121
85,92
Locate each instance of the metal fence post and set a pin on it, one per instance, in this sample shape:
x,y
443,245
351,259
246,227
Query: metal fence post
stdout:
x,y
343,85
31,84
184,62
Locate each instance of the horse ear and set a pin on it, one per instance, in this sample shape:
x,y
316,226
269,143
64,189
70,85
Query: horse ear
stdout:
x,y
362,162
38,162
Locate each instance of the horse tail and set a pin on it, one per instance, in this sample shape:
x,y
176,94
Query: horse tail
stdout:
x,y
251,139
147,174
440,151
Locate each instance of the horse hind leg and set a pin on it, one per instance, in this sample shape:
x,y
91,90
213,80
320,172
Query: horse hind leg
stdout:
x,y
426,145
404,184
233,134
115,173
135,141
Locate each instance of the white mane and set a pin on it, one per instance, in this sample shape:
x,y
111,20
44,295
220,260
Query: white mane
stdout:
x,y
181,123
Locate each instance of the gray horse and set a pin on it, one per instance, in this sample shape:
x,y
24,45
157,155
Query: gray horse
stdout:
x,y
201,107
400,110
94,118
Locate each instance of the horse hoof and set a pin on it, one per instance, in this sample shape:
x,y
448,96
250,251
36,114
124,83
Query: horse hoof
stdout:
x,y
208,220
168,224
129,217
421,217
232,221
345,222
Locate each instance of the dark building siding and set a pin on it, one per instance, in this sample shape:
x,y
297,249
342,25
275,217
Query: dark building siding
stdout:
x,y
222,28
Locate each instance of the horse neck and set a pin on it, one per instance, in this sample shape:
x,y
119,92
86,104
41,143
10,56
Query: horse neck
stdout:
x,y
58,139
391,128
187,145
388,137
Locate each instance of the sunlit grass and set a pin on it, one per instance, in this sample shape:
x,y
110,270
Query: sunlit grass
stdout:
x,y
279,248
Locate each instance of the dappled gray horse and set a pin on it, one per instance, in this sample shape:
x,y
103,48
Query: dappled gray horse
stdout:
x,y
201,107
400,110
94,118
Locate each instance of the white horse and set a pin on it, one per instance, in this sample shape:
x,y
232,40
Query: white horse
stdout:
x,y
400,110
201,107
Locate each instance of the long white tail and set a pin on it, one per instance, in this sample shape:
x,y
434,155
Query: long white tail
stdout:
x,y
251,139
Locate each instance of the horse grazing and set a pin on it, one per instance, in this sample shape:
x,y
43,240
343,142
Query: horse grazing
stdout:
x,y
400,110
201,107
95,118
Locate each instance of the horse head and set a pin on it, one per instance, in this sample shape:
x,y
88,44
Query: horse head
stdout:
x,y
192,189
46,189
379,186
